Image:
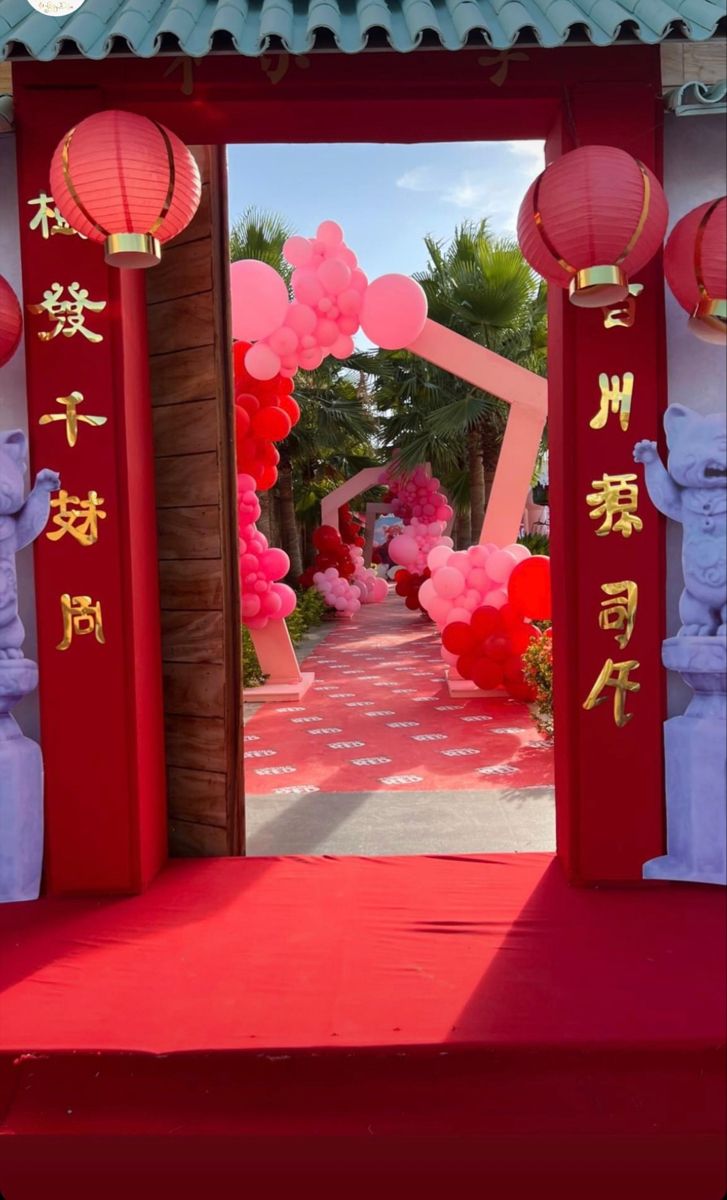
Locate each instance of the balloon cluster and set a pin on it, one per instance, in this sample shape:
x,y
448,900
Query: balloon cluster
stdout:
x,y
411,548
337,560
337,592
489,649
261,566
350,527
464,580
418,495
371,588
331,553
333,299
265,412
408,585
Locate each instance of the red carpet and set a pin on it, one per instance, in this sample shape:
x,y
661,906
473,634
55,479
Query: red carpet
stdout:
x,y
377,1021
380,718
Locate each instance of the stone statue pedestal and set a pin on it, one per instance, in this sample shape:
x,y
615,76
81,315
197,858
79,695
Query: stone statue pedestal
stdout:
x,y
696,766
21,789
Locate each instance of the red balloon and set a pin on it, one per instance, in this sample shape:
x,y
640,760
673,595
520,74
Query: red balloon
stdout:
x,y
467,663
485,620
515,681
487,674
326,537
291,407
458,637
529,588
267,478
520,636
269,454
412,602
497,646
271,423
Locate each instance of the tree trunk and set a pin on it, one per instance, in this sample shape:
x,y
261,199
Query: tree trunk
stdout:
x,y
477,481
462,530
263,522
288,522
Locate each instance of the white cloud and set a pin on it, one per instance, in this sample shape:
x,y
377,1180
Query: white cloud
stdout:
x,y
494,191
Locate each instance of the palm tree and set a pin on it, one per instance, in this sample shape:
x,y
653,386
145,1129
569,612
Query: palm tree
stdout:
x,y
261,235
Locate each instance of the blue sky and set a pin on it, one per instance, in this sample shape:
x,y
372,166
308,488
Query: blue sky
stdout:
x,y
386,197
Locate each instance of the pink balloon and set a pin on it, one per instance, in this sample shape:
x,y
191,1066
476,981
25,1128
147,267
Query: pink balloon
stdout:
x,y
394,311
298,251
438,557
250,605
479,579
306,286
438,608
348,325
311,359
343,346
288,600
283,341
518,552
329,233
350,301
334,275
458,614
380,590
275,563
359,281
448,582
259,300
301,318
326,332
500,566
403,549
495,599
262,362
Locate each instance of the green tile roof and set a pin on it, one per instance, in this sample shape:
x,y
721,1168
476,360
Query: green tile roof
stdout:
x,y
253,27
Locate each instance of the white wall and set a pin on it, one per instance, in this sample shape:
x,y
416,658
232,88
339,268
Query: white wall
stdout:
x,y
13,406
695,153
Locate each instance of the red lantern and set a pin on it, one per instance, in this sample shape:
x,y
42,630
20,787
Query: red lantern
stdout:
x,y
127,182
590,221
695,264
11,322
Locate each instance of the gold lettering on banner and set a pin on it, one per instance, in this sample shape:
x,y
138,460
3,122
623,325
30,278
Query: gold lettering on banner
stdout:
x,y
618,612
276,66
615,496
78,517
80,617
69,315
614,675
501,62
72,417
49,220
616,395
624,313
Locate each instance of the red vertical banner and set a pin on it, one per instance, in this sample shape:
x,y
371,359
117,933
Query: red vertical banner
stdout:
x,y
96,578
607,391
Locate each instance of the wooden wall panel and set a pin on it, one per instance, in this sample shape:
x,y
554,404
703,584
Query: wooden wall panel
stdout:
x,y
191,377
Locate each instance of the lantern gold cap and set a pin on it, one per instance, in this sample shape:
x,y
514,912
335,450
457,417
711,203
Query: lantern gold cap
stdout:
x,y
709,321
598,287
132,250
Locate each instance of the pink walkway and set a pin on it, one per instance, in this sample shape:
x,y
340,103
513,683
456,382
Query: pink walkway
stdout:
x,y
380,718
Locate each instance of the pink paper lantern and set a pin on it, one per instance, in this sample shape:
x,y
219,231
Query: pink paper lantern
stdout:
x,y
591,221
11,322
126,182
695,265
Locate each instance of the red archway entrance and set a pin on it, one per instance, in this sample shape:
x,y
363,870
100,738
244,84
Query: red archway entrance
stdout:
x,y
608,776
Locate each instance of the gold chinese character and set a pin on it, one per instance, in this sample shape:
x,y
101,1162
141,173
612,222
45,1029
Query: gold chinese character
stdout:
x,y
623,313
71,416
276,66
80,616
69,315
615,675
80,518
615,495
615,396
47,213
619,611
502,62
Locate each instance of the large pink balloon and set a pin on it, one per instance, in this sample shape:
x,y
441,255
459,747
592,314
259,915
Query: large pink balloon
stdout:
x,y
262,362
403,549
394,311
448,582
288,599
501,565
438,557
259,300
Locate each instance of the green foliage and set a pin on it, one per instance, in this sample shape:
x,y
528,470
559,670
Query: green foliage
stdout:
x,y
537,543
538,671
307,614
261,235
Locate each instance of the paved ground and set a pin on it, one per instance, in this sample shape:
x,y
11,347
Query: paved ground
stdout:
x,y
423,792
